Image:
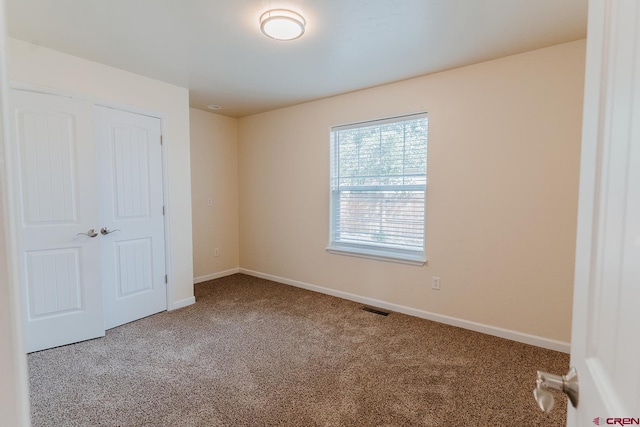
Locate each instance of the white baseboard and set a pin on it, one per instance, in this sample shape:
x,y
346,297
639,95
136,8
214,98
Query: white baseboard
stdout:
x,y
182,303
535,340
215,275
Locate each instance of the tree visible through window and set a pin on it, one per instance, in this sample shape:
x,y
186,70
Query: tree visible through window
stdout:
x,y
378,188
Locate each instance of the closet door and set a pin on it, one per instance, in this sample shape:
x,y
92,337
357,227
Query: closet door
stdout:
x,y
54,181
131,214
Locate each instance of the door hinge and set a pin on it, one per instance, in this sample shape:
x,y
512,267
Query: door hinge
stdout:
x,y
160,139
166,279
163,210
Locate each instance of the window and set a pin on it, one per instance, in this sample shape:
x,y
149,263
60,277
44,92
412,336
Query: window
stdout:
x,y
378,189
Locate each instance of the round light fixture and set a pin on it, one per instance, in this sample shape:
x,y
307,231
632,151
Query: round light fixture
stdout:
x,y
282,24
214,107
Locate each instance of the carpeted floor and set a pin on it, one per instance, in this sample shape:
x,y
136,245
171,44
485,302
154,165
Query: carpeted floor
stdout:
x,y
256,353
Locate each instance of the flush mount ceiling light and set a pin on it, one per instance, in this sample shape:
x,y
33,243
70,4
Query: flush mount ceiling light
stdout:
x,y
214,107
282,24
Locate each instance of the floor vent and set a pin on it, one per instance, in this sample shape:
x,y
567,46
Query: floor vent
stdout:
x,y
373,310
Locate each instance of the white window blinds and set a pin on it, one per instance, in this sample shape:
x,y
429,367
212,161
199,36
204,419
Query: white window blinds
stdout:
x,y
378,188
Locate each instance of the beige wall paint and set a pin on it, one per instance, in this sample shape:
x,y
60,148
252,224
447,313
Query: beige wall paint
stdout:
x,y
504,144
214,167
56,70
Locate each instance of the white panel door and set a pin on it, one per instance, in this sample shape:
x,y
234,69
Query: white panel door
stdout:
x,y
606,328
131,211
55,177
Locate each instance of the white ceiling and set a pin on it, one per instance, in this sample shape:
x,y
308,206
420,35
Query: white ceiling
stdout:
x,y
215,47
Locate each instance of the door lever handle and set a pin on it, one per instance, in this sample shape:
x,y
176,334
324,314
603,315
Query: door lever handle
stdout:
x,y
90,233
565,383
105,230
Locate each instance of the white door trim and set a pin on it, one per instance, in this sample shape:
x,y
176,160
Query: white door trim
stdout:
x,y
14,390
171,304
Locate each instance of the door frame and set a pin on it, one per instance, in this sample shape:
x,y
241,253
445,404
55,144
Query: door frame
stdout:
x,y
11,196
15,409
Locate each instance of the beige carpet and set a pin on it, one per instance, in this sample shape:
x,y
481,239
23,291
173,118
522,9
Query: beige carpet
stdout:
x,y
256,353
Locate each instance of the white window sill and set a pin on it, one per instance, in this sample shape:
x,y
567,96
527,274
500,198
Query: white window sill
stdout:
x,y
379,255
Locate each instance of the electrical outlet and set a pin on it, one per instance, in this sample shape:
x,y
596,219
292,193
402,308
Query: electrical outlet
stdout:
x,y
435,283
216,252
209,201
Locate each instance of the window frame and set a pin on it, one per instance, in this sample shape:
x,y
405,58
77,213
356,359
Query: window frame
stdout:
x,y
403,256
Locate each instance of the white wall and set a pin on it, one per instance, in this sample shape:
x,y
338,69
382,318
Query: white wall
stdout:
x,y
48,68
214,167
504,145
14,398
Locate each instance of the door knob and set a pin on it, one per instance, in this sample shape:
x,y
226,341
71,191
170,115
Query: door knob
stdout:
x,y
105,230
565,383
90,233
